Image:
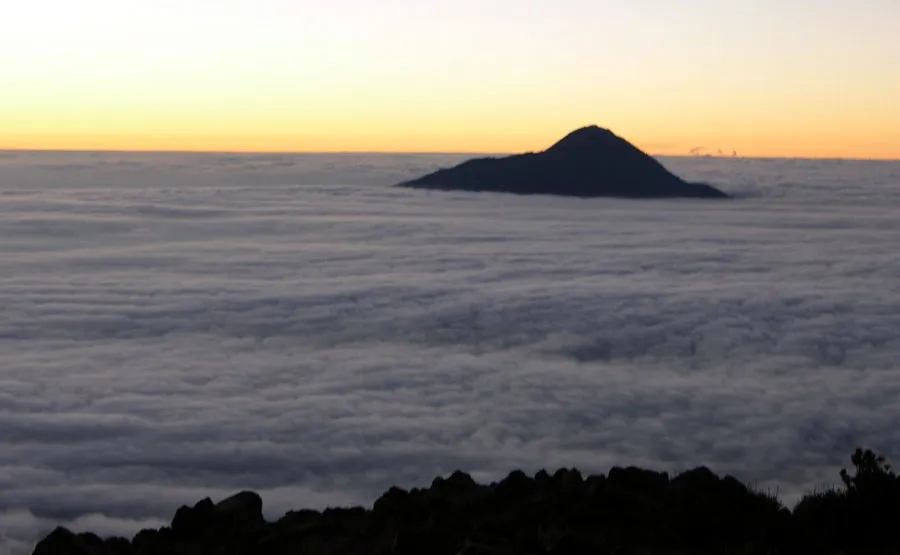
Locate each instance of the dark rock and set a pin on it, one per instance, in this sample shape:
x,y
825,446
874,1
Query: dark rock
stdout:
x,y
91,540
631,511
460,481
294,529
190,522
152,542
542,477
295,520
589,162
731,486
567,479
516,485
391,500
146,540
61,542
700,479
459,484
635,479
594,485
244,508
118,546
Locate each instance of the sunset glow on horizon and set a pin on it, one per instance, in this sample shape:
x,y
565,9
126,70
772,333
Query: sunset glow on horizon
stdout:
x,y
768,78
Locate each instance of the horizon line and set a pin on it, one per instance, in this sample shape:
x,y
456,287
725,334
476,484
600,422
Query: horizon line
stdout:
x,y
413,152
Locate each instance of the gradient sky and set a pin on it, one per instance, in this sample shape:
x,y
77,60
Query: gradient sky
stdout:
x,y
817,78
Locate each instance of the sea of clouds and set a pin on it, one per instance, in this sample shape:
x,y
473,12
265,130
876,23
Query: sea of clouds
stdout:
x,y
176,326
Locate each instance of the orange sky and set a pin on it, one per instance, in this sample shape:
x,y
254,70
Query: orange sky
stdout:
x,y
785,78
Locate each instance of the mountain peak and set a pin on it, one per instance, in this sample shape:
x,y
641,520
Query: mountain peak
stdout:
x,y
586,137
588,162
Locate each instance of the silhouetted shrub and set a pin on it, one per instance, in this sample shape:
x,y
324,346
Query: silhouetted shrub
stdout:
x,y
865,514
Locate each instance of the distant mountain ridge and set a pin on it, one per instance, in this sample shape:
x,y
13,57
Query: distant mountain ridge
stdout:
x,y
588,162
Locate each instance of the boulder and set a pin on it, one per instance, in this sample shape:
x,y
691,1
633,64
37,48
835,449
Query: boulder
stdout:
x,y
638,480
243,509
62,542
190,522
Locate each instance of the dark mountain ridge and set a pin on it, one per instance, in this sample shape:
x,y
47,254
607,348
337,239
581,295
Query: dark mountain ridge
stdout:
x,y
627,511
588,162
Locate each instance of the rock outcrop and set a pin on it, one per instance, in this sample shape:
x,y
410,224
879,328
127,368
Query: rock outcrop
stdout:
x,y
589,162
629,510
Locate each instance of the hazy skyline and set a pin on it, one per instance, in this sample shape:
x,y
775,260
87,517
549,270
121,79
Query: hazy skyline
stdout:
x,y
767,78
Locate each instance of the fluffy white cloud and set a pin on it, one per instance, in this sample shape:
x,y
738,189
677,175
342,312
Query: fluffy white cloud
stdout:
x,y
177,326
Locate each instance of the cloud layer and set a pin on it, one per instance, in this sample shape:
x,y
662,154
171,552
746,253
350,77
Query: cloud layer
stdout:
x,y
183,325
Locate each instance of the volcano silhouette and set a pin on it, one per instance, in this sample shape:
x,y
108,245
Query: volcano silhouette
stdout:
x,y
588,162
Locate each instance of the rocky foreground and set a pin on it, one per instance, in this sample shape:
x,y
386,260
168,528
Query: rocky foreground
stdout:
x,y
627,511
